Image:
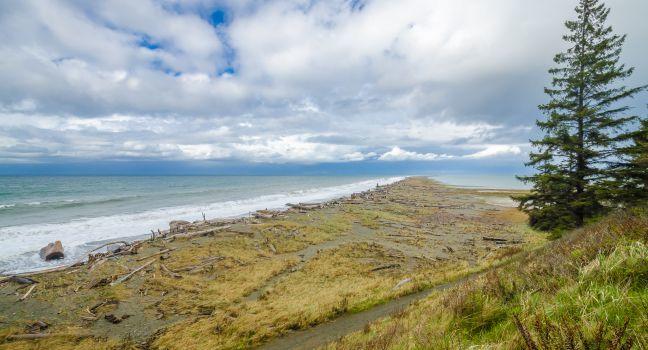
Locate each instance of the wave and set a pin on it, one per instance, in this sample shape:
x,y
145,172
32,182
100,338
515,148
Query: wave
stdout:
x,y
19,244
65,203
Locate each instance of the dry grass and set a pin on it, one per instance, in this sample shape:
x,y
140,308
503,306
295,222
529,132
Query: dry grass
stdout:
x,y
306,268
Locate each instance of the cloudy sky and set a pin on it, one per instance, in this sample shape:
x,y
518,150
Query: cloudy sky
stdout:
x,y
283,82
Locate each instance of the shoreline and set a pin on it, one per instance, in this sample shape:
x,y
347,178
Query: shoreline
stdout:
x,y
351,254
317,192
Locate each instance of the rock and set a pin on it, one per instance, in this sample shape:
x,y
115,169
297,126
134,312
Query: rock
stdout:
x,y
52,251
178,226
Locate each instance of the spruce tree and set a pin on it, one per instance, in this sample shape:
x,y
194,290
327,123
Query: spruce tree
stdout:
x,y
584,125
630,181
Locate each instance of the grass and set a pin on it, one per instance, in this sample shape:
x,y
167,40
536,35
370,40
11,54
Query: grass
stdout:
x,y
587,290
305,268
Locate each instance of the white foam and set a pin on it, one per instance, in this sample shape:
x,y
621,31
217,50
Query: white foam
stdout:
x,y
19,245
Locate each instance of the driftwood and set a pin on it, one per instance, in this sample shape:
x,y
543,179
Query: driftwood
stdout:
x,y
115,319
102,303
52,251
28,293
203,264
385,267
493,239
401,283
128,276
30,336
199,233
99,282
19,280
304,206
177,226
128,249
263,215
169,272
37,327
109,243
156,254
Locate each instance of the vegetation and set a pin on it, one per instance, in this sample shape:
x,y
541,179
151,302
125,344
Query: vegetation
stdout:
x,y
631,171
587,290
262,278
585,129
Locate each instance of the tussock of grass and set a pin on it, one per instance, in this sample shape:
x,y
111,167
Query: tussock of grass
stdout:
x,y
588,290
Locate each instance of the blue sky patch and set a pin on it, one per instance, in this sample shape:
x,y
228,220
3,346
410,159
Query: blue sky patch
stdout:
x,y
147,42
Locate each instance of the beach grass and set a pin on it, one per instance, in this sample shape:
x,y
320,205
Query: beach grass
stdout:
x,y
265,278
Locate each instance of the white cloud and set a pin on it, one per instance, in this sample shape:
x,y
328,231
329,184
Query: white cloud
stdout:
x,y
205,151
399,154
495,150
293,148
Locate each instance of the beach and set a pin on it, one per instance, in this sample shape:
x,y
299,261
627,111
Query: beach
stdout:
x,y
256,280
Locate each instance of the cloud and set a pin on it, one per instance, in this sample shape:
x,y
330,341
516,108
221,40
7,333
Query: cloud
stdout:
x,y
495,150
281,81
399,154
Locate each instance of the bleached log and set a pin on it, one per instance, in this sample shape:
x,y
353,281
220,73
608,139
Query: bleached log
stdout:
x,y
128,276
52,251
156,254
28,292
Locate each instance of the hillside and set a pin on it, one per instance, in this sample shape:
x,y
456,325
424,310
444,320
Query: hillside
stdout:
x,y
587,290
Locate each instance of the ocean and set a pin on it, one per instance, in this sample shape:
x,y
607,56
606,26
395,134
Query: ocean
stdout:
x,y
84,212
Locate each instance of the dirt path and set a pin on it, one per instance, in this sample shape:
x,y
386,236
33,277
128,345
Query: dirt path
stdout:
x,y
325,333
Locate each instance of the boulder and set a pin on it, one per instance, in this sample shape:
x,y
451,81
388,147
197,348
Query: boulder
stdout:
x,y
52,251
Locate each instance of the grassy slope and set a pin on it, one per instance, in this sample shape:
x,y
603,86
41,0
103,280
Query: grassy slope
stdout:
x,y
588,290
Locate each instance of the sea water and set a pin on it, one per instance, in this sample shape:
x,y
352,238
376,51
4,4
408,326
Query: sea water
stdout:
x,y
85,212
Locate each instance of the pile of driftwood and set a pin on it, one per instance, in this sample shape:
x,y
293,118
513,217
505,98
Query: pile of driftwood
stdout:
x,y
266,214
305,206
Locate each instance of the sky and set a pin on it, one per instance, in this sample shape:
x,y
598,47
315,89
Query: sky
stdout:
x,y
270,85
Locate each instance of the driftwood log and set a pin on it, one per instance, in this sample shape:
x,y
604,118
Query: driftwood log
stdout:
x,y
156,254
385,267
304,206
199,233
128,276
30,336
31,289
52,251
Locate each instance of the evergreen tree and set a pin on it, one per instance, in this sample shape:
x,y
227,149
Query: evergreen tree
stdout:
x,y
630,180
585,123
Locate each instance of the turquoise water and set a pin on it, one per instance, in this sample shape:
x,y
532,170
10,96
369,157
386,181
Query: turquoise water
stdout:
x,y
83,212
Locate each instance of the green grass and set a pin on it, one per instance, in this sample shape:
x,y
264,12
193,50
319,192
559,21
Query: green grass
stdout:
x,y
587,290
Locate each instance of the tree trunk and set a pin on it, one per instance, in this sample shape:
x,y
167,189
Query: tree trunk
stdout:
x,y
52,251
